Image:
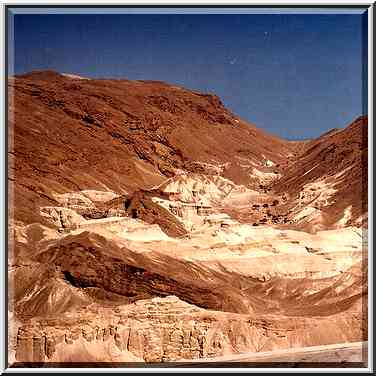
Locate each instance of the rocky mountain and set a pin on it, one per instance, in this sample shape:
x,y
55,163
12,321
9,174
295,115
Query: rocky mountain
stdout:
x,y
331,175
149,223
71,134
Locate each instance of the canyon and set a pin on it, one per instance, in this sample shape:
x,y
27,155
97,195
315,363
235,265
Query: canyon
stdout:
x,y
149,224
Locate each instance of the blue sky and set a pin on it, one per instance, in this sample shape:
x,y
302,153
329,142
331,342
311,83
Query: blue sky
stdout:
x,y
295,75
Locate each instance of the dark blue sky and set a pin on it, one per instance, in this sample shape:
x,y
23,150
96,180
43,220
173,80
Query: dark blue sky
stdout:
x,y
294,75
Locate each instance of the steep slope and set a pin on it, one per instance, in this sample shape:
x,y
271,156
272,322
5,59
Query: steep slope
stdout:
x,y
329,179
81,291
148,222
65,273
68,134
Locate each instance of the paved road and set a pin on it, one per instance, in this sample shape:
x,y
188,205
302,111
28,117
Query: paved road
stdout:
x,y
344,355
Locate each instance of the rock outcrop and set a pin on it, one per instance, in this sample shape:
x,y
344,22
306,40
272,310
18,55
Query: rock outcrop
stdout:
x,y
119,135
150,224
168,329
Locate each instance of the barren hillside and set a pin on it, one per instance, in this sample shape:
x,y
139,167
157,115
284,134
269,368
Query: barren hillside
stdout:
x,y
148,223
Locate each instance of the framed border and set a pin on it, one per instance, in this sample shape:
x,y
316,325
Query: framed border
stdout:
x,y
172,367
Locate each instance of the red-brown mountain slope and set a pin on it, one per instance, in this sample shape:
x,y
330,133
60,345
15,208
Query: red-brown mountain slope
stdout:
x,y
70,134
334,166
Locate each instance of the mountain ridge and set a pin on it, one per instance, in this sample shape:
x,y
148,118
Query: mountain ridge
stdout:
x,y
151,133
147,222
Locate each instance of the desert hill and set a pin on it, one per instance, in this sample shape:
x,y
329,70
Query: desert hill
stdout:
x,y
149,223
71,134
331,175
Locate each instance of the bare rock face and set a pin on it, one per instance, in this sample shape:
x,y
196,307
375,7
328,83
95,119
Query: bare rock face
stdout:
x,y
92,264
141,206
92,283
168,329
150,224
61,218
119,134
330,177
